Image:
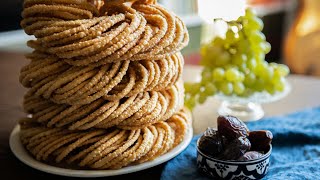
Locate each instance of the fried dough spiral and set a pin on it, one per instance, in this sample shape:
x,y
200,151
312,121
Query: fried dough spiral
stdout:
x,y
52,79
129,113
137,32
104,149
104,82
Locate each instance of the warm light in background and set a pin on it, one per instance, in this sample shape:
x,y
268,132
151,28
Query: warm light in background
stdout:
x,y
225,9
310,22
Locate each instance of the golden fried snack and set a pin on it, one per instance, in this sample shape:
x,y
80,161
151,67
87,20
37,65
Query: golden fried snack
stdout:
x,y
135,112
180,123
158,134
52,79
105,86
141,31
61,9
99,148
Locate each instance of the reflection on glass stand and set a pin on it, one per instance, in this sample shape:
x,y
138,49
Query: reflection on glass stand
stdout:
x,y
248,108
245,111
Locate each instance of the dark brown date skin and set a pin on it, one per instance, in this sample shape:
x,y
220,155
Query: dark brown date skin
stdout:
x,y
235,149
231,127
260,140
250,155
211,143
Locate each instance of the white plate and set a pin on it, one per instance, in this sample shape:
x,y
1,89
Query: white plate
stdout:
x,y
20,152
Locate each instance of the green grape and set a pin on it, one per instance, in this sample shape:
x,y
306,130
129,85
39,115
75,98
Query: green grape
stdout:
x,y
243,67
259,56
230,34
210,89
267,73
260,49
240,19
236,63
206,71
202,98
266,47
247,29
258,85
256,49
193,88
280,85
232,75
261,68
223,59
249,14
188,86
206,76
239,59
273,64
275,79
249,79
241,76
231,37
232,50
252,64
257,37
218,41
270,88
281,70
190,102
243,45
203,50
214,55
226,88
208,55
230,66
238,88
255,23
218,74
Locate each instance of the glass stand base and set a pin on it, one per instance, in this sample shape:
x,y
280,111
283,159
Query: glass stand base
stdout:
x,y
244,111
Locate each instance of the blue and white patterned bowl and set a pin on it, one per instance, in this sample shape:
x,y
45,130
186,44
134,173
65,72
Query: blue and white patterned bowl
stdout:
x,y
244,170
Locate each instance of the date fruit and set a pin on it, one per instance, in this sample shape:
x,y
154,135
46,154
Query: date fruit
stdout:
x,y
211,143
231,127
250,155
233,141
260,140
237,148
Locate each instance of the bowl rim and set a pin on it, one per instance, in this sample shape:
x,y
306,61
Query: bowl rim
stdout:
x,y
265,156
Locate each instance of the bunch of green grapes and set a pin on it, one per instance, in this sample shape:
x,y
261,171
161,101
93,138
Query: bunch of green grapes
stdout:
x,y
235,65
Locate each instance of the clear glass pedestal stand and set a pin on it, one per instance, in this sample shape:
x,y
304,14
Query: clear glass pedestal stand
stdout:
x,y
245,111
248,108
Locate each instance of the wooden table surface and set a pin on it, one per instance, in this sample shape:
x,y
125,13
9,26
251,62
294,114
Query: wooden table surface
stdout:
x,y
11,95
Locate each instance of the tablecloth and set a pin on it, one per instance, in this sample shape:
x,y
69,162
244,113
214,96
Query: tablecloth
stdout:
x,y
295,155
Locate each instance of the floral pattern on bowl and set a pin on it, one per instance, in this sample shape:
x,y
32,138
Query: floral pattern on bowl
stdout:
x,y
237,170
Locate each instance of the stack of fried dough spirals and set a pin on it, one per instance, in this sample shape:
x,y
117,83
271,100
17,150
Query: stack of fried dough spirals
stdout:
x,y
105,88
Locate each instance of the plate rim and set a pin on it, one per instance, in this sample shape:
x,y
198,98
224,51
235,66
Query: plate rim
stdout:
x,y
20,152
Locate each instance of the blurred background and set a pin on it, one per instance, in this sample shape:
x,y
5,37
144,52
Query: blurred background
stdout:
x,y
291,26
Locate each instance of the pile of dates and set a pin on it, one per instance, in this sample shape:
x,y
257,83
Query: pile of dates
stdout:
x,y
234,141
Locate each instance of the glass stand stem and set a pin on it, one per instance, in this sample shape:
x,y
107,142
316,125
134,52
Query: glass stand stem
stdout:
x,y
245,111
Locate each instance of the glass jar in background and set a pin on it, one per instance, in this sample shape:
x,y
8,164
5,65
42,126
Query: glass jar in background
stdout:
x,y
302,45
